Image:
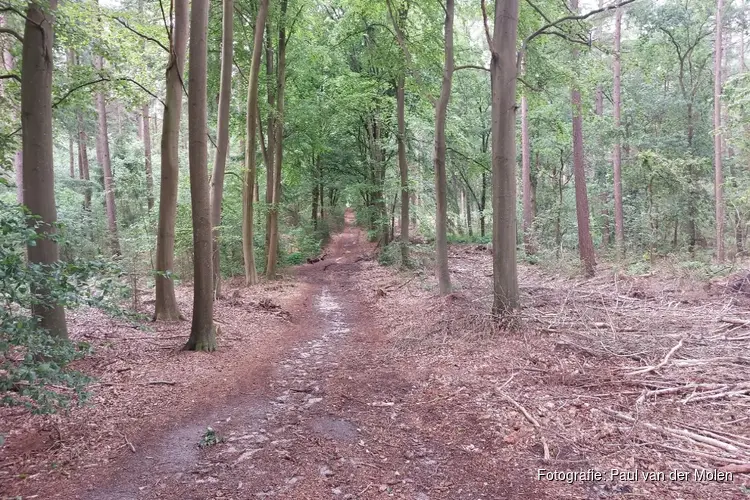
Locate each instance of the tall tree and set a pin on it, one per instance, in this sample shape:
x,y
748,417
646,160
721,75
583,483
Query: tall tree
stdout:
x,y
222,139
585,243
718,172
503,72
528,207
273,209
38,165
441,182
202,334
617,153
102,146
166,303
251,275
146,133
83,161
403,168
399,25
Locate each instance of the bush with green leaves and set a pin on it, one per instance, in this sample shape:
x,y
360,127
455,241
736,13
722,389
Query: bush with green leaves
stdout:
x,y
34,369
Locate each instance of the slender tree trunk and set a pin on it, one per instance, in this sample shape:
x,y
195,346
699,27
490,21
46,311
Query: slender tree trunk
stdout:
x,y
403,168
273,211
222,139
166,303
38,166
251,275
83,161
202,334
441,201
469,227
270,127
72,158
503,72
147,153
585,243
617,153
482,206
528,212
9,63
719,173
106,164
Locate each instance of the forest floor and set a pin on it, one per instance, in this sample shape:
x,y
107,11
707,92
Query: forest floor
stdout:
x,y
352,380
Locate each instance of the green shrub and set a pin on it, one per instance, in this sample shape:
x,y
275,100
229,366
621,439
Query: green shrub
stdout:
x,y
34,368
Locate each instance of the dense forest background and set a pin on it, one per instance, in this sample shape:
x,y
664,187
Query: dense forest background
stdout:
x,y
630,134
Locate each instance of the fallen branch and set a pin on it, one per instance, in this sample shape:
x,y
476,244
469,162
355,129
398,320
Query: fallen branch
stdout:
x,y
160,382
531,419
682,433
734,321
663,362
128,443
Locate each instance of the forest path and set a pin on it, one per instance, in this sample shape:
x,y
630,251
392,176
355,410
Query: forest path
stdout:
x,y
332,416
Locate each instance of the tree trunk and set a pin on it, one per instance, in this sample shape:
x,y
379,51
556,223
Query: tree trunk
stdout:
x,y
270,149
315,195
617,153
585,243
202,334
403,169
528,212
503,72
38,166
469,228
482,206
166,303
72,166
147,153
441,198
222,138
83,162
104,161
251,275
718,172
273,210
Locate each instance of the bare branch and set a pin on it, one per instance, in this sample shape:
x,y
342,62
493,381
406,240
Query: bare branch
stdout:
x,y
11,76
544,30
486,25
13,33
145,37
105,79
471,66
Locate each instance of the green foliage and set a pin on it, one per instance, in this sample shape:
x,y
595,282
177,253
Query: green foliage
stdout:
x,y
34,370
210,438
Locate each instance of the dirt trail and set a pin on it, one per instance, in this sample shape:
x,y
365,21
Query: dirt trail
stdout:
x,y
322,419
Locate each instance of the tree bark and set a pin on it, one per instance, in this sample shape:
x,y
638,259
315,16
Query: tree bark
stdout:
x,y
617,153
71,158
273,209
147,153
585,243
270,150
251,275
83,162
106,164
403,168
528,211
718,172
503,72
222,139
441,198
38,166
202,334
166,303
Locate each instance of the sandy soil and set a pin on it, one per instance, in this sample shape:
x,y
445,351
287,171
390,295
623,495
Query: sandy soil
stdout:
x,y
352,380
